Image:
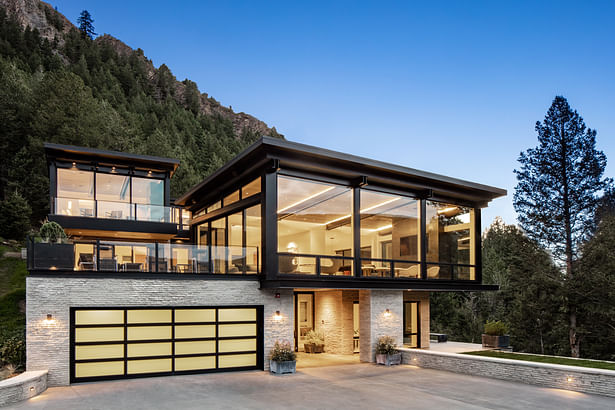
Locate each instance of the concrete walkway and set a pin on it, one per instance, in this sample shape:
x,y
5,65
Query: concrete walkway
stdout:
x,y
360,386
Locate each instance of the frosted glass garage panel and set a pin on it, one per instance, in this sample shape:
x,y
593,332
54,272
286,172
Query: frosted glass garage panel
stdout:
x,y
149,332
239,345
236,315
149,366
99,334
199,347
237,330
99,317
195,331
195,363
237,360
195,315
149,349
99,352
99,369
149,316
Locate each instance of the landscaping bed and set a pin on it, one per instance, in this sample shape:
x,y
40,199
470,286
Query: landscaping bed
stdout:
x,y
596,364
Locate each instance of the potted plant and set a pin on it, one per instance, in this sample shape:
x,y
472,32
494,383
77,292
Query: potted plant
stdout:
x,y
495,334
386,351
315,342
53,252
283,358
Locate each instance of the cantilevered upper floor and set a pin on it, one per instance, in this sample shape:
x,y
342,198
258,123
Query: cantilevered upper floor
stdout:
x,y
286,214
105,194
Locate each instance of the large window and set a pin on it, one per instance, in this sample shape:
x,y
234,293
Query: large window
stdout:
x,y
114,195
390,232
314,227
450,241
235,242
75,192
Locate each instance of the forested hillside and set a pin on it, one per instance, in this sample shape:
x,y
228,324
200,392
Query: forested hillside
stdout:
x,y
58,85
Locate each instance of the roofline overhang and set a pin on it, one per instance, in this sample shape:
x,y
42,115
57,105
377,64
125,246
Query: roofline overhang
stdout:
x,y
293,155
72,152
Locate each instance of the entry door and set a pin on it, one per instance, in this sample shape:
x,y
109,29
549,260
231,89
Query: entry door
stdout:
x,y
304,318
411,324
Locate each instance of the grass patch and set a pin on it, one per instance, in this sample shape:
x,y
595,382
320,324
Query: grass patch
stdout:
x,y
596,364
13,271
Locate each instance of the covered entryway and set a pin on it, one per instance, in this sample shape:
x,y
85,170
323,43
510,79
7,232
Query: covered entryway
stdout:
x,y
115,343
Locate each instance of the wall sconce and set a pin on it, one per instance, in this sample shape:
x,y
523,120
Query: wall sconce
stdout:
x,y
278,315
387,313
49,320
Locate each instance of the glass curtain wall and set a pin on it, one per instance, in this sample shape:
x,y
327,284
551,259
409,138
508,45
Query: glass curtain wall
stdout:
x,y
113,195
390,232
314,227
451,238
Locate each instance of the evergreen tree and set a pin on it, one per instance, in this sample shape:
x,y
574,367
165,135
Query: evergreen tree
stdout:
x,y
558,187
86,25
14,217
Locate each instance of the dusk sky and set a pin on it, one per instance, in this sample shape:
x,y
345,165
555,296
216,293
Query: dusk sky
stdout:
x,y
449,87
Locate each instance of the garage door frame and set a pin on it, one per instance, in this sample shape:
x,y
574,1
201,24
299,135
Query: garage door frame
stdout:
x,y
259,341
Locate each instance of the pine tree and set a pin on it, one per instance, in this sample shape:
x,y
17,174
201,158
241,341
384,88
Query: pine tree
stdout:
x,y
557,193
86,25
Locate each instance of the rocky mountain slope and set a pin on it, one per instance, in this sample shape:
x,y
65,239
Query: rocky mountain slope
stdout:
x,y
53,26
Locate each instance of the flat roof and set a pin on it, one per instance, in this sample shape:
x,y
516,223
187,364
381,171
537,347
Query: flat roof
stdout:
x,y
327,162
69,152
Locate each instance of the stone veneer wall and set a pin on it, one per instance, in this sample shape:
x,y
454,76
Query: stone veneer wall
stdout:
x,y
581,379
22,387
423,298
333,314
48,345
373,323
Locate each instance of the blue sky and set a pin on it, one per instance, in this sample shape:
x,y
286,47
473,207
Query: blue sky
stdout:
x,y
449,87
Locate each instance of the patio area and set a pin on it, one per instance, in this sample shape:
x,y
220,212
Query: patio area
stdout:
x,y
456,347
360,386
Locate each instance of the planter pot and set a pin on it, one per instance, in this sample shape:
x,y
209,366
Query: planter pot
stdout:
x,y
495,341
388,359
313,348
282,367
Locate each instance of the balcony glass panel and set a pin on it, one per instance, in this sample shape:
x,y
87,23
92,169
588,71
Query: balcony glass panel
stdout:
x,y
75,207
154,213
313,217
148,191
114,210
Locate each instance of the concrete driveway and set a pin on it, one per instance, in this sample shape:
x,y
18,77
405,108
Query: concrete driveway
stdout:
x,y
357,386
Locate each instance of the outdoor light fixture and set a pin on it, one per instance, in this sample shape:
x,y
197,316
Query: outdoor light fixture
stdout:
x,y
569,379
50,320
387,313
31,388
278,315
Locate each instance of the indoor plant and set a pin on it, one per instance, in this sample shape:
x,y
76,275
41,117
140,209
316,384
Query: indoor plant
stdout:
x,y
495,334
283,358
315,342
386,351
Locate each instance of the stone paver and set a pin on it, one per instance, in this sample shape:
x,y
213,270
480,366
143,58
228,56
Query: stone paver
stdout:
x,y
361,386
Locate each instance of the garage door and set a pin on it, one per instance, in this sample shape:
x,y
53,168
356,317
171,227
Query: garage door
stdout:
x,y
116,343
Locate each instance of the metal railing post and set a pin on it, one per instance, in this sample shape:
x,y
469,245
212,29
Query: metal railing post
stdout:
x,y
98,254
157,269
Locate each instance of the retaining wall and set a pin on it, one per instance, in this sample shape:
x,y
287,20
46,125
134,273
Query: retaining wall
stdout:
x,y
581,379
22,387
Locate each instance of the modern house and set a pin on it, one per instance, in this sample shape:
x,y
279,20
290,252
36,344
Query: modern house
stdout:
x,y
283,239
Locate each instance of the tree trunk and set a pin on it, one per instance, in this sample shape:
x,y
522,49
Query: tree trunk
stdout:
x,y
575,343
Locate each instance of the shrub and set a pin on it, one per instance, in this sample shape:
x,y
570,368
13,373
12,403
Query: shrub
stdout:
x,y
283,352
495,328
13,351
314,337
52,232
386,345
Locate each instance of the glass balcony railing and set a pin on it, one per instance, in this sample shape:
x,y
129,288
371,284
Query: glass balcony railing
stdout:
x,y
122,210
116,256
